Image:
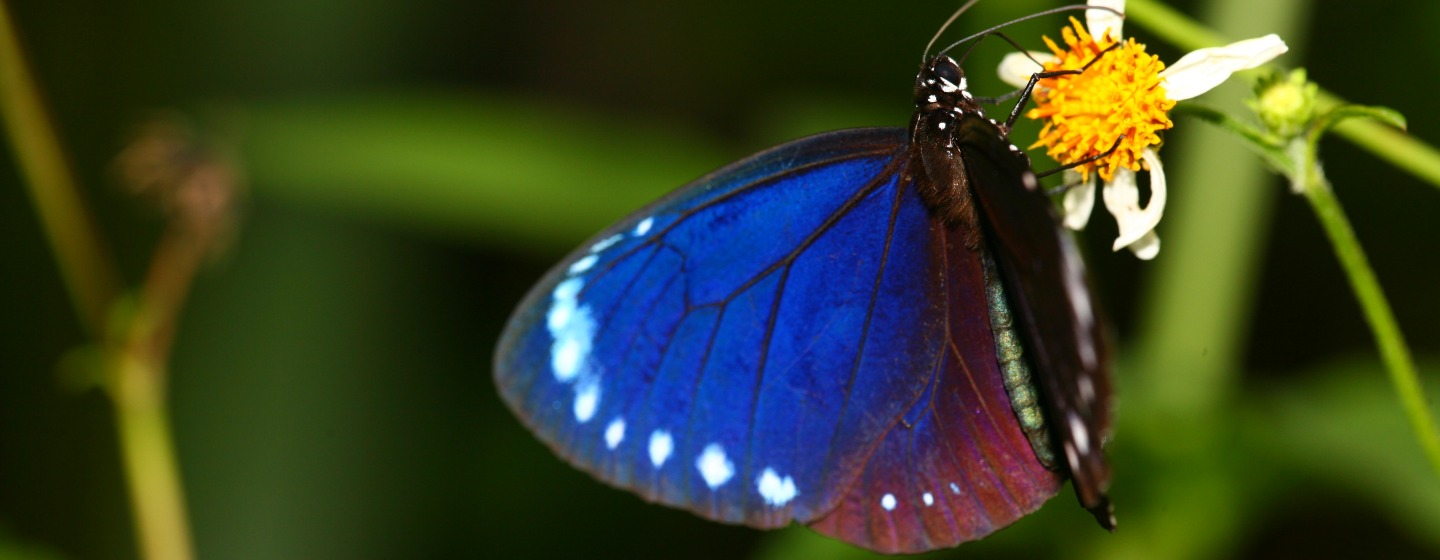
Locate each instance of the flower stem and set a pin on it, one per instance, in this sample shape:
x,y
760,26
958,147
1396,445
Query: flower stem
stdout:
x,y
136,373
146,442
1404,151
1171,25
1393,349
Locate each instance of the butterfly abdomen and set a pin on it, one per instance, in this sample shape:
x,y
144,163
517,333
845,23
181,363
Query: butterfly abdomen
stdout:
x,y
1019,384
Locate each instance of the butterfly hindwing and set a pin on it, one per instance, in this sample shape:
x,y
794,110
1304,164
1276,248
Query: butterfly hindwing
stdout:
x,y
1053,305
956,467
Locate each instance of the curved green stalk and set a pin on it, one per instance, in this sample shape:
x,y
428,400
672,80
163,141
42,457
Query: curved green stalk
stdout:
x,y
1380,137
1393,350
85,267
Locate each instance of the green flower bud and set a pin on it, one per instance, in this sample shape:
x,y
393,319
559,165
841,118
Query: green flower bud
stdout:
x,y
1285,102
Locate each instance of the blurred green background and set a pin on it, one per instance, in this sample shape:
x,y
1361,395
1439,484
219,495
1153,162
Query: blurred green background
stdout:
x,y
415,165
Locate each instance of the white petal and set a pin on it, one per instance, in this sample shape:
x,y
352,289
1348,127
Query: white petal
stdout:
x,y
1146,247
1122,199
1015,69
1079,201
1097,21
1202,70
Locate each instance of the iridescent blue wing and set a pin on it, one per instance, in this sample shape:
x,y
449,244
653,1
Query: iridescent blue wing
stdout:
x,y
793,337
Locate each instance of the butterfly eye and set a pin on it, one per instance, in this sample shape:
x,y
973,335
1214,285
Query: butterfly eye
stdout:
x,y
948,72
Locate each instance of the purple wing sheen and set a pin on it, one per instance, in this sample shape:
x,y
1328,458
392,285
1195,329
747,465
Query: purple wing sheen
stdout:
x,y
790,338
956,467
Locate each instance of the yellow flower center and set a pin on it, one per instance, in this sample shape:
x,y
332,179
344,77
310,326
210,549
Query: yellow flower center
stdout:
x,y
1086,113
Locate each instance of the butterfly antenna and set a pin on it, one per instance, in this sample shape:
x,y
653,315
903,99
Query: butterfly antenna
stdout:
x,y
1051,11
926,55
1020,49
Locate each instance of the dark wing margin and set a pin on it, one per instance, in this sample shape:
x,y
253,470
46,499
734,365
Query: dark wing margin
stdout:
x,y
1053,305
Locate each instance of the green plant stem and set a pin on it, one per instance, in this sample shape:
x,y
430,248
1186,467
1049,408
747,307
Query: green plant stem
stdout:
x,y
1171,25
1380,139
85,267
138,384
146,443
1404,151
136,374
1393,349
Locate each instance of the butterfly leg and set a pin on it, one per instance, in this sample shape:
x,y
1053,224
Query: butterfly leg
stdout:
x,y
1013,43
1035,79
1078,163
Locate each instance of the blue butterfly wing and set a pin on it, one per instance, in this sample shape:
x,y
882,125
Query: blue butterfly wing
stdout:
x,y
790,338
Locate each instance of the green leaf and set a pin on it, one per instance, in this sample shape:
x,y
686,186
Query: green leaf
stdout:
x,y
1344,427
1334,116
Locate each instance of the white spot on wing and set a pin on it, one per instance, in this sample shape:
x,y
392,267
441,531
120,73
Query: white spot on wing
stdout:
x,y
888,502
564,305
584,264
1079,433
559,315
660,447
929,499
569,352
714,467
1087,389
776,491
567,290
615,433
1079,302
587,399
573,330
954,488
606,243
644,226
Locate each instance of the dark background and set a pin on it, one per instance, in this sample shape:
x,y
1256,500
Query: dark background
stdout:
x,y
414,166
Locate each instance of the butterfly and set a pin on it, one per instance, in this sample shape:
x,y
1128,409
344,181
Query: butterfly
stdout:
x,y
881,333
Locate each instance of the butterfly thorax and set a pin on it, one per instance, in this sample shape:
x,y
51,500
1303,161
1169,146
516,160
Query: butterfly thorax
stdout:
x,y
943,108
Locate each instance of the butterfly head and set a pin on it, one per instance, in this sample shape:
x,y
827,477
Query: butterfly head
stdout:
x,y
943,106
946,75
941,81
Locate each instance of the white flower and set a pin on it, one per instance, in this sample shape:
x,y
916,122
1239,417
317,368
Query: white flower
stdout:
x,y
1084,119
